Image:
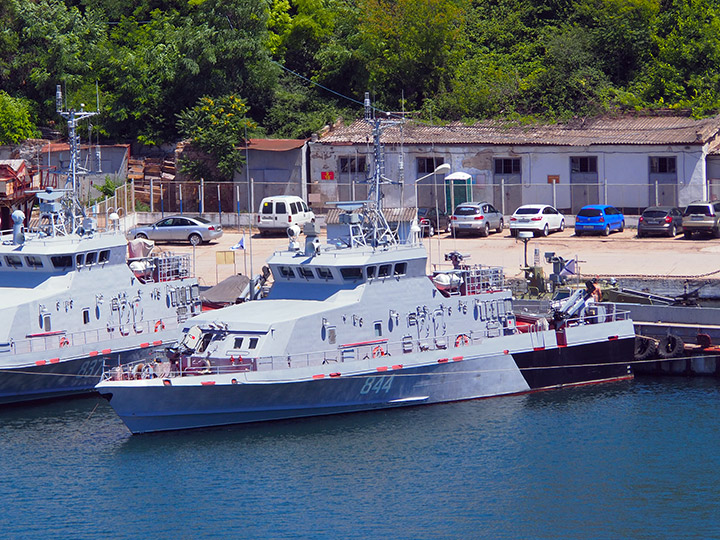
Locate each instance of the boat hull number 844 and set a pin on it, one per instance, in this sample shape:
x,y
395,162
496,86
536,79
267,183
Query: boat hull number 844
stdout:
x,y
381,383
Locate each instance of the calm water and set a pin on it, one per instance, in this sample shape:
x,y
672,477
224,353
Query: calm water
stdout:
x,y
629,460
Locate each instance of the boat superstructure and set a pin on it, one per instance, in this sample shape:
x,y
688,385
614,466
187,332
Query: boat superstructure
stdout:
x,y
356,324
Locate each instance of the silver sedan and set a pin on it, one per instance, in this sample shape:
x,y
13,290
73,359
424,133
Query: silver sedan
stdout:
x,y
195,230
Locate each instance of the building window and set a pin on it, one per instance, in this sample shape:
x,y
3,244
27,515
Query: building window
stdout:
x,y
507,166
427,165
662,165
355,164
584,164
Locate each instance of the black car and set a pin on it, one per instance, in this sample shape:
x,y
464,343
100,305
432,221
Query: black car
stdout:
x,y
430,221
664,220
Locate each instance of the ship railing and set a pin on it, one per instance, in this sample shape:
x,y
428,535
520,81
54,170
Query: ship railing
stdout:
x,y
164,266
59,344
447,347
479,278
595,313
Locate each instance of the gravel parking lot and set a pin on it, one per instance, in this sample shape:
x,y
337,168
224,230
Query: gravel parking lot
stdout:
x,y
618,255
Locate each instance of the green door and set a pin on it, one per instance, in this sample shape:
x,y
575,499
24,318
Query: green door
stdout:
x,y
457,191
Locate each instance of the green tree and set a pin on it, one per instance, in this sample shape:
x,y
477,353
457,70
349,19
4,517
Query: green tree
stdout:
x,y
15,120
411,46
215,126
683,72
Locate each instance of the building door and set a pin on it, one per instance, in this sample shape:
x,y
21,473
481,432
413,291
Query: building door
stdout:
x,y
663,181
507,185
584,184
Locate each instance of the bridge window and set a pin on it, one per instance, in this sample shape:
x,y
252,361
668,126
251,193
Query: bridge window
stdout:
x,y
238,343
90,258
286,272
378,328
104,256
401,269
351,273
79,259
324,273
33,261
13,260
61,261
306,272
370,272
253,343
86,316
384,270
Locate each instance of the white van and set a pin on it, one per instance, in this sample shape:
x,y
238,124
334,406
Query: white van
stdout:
x,y
279,212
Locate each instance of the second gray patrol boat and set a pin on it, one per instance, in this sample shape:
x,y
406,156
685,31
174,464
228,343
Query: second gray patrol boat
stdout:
x,y
356,325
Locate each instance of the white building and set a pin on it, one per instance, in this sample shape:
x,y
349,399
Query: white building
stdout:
x,y
630,161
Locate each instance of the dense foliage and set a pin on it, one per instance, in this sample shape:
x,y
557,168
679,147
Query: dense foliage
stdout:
x,y
295,63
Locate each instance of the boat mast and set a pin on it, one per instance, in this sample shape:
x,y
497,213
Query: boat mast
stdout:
x,y
378,232
73,117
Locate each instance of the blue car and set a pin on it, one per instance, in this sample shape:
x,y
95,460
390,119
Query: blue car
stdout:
x,y
599,218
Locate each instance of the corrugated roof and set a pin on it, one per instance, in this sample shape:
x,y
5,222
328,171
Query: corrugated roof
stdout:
x,y
631,130
65,147
274,145
392,215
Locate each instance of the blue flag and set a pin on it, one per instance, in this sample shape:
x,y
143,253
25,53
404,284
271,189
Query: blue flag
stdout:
x,y
240,244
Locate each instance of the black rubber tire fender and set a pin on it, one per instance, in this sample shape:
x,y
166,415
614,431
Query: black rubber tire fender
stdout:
x,y
671,346
645,347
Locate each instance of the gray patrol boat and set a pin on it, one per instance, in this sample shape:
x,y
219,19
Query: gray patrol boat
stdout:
x,y
355,325
76,297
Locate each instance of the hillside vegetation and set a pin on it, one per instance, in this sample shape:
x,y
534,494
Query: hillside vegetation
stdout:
x,y
291,65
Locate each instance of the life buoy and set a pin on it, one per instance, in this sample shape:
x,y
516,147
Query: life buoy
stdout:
x,y
378,351
160,325
64,342
462,340
137,372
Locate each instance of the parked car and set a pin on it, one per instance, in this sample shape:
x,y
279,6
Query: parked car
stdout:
x,y
195,230
476,217
665,220
538,218
430,221
599,218
279,212
703,217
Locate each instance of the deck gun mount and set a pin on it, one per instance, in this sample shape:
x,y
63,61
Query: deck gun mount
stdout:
x,y
559,264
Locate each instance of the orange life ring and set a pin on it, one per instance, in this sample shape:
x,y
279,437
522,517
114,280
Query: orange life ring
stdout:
x,y
462,339
64,342
378,351
159,325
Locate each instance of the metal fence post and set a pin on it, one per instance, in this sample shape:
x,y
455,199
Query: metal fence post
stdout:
x,y
152,198
201,202
656,193
502,196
